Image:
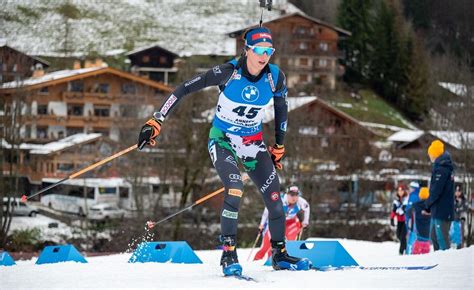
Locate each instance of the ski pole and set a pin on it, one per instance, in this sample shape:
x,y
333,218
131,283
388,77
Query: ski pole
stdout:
x,y
151,224
254,244
80,172
300,234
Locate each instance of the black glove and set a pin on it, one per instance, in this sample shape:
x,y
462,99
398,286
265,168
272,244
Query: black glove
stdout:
x,y
392,222
150,131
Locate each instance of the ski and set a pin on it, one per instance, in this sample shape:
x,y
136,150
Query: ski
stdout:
x,y
243,277
329,268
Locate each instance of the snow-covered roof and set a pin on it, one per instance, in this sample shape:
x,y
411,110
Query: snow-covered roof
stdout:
x,y
65,143
48,77
382,126
69,75
459,140
458,89
406,136
23,146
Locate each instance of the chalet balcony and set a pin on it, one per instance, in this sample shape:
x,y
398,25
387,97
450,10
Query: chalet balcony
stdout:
x,y
71,121
326,69
88,97
72,96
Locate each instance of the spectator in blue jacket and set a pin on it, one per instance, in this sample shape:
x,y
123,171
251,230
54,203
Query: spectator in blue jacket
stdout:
x,y
440,203
413,197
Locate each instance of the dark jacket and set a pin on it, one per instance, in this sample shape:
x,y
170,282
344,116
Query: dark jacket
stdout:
x,y
460,209
422,222
441,200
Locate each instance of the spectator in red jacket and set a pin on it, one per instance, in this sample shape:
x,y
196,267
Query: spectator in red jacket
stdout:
x,y
398,212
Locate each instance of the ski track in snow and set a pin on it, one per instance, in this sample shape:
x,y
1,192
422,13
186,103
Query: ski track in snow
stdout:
x,y
455,271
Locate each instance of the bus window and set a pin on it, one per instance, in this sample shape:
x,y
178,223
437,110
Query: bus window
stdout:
x,y
107,190
124,192
90,193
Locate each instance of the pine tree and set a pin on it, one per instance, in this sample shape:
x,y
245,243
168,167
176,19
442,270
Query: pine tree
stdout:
x,y
385,61
355,16
416,90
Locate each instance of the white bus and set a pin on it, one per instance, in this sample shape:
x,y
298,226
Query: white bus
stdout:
x,y
78,195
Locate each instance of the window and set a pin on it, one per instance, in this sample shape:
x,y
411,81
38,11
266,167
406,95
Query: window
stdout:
x,y
42,132
323,46
301,30
103,131
102,88
75,110
303,78
303,46
44,90
107,190
303,61
102,111
64,167
74,130
146,58
163,60
124,192
76,86
129,88
323,63
42,109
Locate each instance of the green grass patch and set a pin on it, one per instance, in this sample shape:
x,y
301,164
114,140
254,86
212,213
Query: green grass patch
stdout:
x,y
369,108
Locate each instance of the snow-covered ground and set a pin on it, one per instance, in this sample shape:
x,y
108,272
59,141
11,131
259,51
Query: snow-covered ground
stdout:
x,y
184,27
55,234
455,270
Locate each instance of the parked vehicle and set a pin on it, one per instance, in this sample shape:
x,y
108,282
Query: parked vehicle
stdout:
x,y
104,211
19,207
79,195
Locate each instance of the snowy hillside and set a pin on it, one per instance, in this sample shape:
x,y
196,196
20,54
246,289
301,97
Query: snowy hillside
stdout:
x,y
182,26
455,270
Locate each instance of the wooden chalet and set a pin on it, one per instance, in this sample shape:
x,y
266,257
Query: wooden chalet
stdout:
x,y
95,99
306,49
322,125
16,65
153,62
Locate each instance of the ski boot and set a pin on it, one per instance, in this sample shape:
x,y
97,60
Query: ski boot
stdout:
x,y
229,261
282,261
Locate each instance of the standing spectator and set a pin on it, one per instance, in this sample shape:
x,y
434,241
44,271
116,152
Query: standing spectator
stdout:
x,y
413,197
398,211
440,203
422,224
460,211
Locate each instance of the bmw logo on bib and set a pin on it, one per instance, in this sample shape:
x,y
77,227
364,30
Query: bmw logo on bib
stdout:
x,y
250,93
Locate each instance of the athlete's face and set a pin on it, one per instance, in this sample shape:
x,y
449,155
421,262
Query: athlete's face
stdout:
x,y
256,62
292,198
